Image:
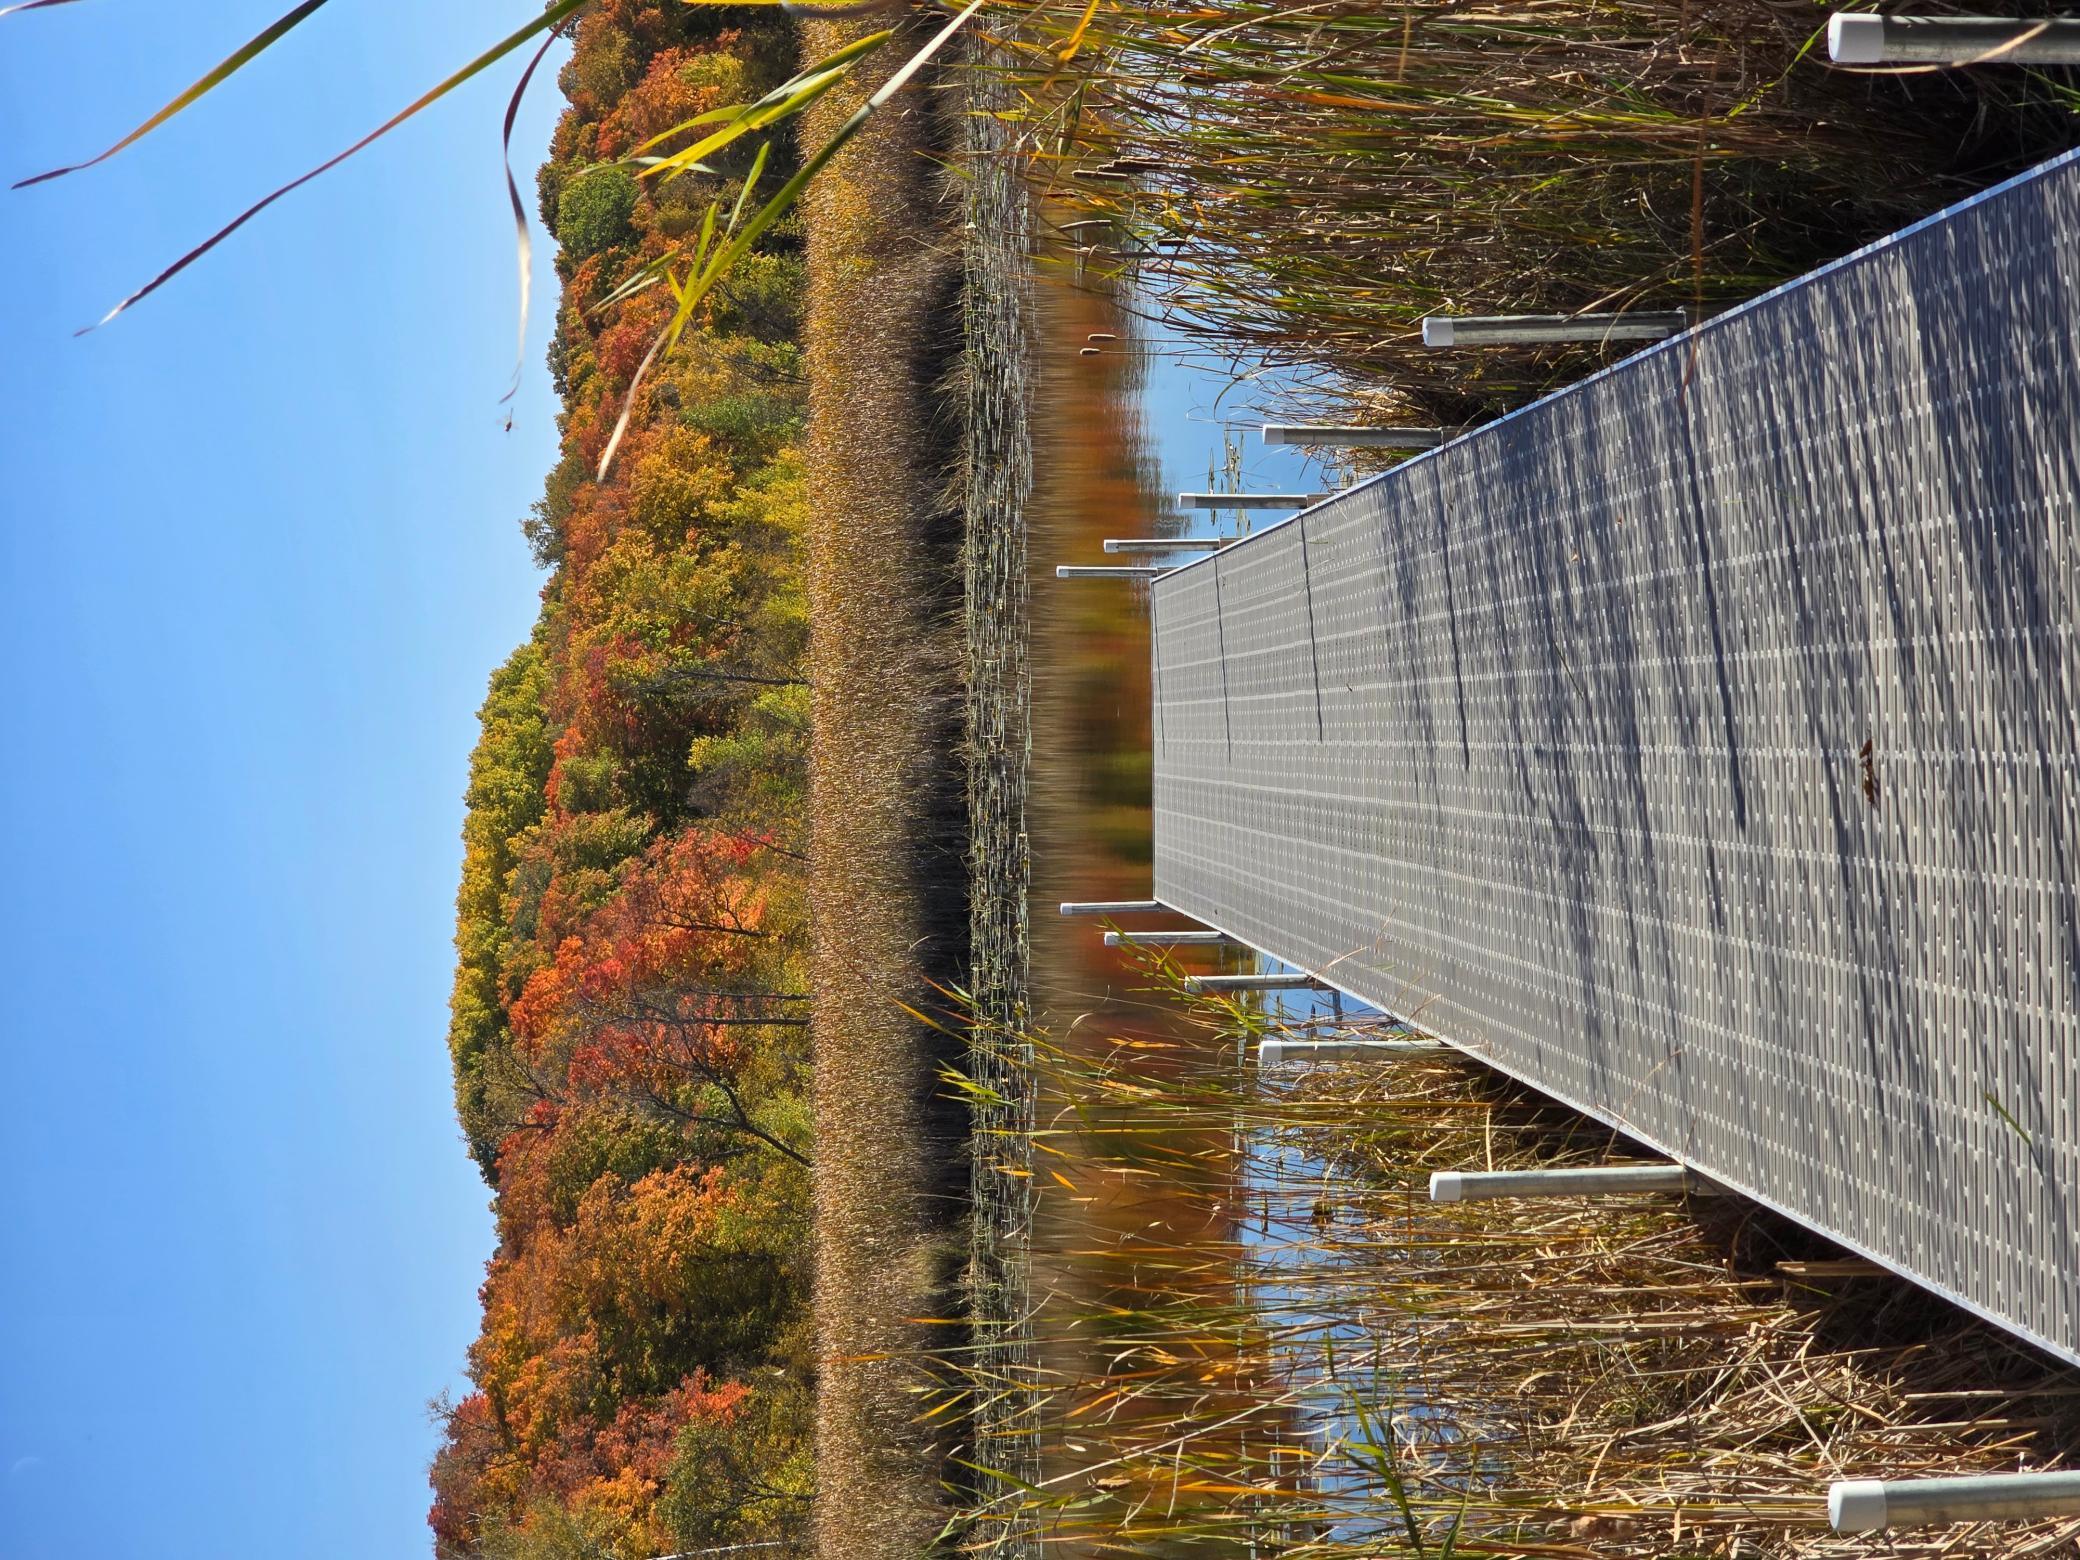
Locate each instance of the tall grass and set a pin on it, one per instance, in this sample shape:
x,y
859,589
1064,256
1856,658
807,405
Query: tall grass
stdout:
x,y
887,879
1306,181
1316,1361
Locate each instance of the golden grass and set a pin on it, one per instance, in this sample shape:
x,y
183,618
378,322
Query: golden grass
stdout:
x,y
887,878
1330,172
1321,1363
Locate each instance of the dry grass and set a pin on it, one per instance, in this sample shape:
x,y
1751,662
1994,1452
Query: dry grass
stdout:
x,y
1322,1363
1266,1341
887,892
1305,182
997,384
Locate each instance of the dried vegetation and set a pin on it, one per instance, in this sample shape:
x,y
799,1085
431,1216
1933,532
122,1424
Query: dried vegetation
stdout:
x,y
887,888
1322,1363
1306,182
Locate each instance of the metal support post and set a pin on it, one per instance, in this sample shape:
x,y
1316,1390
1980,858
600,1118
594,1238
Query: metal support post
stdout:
x,y
1171,940
1602,1181
1249,500
1275,1053
1857,39
1331,436
1156,544
1111,906
1108,571
1217,983
1524,330
1866,1505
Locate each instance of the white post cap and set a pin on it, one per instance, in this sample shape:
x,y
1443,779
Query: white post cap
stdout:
x,y
1447,1186
1271,1053
1437,331
1854,38
1856,1505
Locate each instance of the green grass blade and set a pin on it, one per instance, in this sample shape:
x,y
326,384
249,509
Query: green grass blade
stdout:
x,y
1379,1452
917,61
758,168
554,16
258,44
839,61
771,212
523,240
781,104
644,277
713,116
700,250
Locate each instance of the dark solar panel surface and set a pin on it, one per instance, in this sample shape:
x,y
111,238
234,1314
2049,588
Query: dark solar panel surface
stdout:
x,y
1700,745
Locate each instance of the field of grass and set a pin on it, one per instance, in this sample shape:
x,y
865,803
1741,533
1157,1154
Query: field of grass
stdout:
x,y
1281,1347
888,877
1304,183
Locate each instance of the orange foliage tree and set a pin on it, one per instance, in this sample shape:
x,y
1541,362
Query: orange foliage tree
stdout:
x,y
627,1028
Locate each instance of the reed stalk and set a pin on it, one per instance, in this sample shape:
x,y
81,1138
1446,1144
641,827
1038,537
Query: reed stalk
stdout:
x,y
1261,1337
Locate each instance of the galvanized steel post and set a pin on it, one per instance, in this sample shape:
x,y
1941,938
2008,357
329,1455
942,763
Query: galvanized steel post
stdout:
x,y
1250,500
1332,436
1856,39
1273,1053
1213,983
1866,1505
1526,330
1600,1181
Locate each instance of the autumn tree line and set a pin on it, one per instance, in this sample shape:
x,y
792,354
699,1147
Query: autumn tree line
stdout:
x,y
629,1029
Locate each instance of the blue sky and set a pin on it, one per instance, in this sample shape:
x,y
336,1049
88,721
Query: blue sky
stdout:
x,y
258,553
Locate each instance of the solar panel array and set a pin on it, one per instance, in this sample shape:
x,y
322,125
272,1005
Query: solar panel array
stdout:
x,y
1699,745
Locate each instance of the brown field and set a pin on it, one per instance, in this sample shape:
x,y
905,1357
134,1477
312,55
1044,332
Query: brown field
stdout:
x,y
888,891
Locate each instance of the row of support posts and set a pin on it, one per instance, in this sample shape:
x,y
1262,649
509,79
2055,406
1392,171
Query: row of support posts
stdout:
x,y
1853,38
1853,1505
1438,331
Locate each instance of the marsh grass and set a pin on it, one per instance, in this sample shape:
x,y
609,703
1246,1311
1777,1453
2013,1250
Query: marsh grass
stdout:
x,y
887,884
1316,1361
1307,181
1249,1332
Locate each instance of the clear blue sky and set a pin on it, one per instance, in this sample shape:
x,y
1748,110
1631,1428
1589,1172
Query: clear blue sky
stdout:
x,y
258,553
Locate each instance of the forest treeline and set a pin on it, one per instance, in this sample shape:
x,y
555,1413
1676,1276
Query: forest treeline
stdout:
x,y
629,1027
